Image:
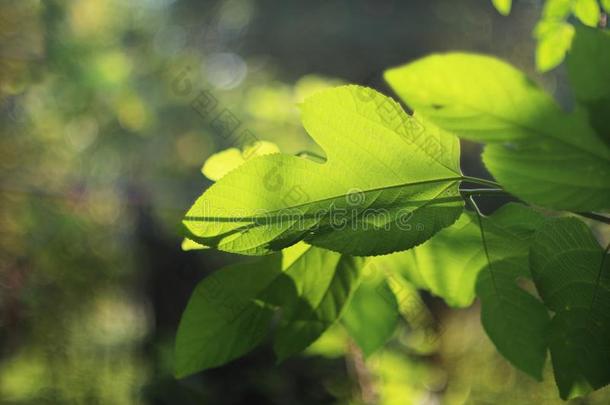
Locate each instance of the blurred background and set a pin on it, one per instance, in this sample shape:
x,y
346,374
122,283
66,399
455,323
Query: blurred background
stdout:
x,y
101,145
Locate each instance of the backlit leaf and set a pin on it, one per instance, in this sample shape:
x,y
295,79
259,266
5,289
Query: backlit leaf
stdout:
x,y
390,183
536,151
503,6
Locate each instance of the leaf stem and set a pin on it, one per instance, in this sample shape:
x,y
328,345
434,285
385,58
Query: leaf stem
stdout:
x,y
483,182
594,216
482,191
479,215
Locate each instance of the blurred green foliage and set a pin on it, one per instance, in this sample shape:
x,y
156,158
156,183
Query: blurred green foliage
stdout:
x,y
100,156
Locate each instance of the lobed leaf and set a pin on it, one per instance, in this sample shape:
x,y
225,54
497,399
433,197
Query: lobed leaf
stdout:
x,y
390,183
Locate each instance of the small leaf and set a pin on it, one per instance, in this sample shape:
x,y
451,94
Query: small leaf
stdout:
x,y
514,320
587,11
324,283
588,65
366,199
503,6
554,41
221,163
572,275
188,244
230,311
372,315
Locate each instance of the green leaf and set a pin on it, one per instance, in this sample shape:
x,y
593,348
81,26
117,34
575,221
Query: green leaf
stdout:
x,y
514,320
587,11
448,264
221,163
554,39
367,199
188,244
503,6
552,174
606,5
324,282
556,10
572,275
553,159
223,319
588,65
372,314
230,311
478,97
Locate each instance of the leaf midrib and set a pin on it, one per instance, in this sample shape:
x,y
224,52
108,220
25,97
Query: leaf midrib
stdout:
x,y
372,190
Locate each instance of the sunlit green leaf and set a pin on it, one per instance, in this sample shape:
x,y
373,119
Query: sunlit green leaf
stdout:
x,y
553,158
554,40
503,6
478,97
587,11
572,275
367,199
221,163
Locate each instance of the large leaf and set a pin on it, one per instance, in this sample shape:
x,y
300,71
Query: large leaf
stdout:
x,y
572,275
514,320
390,183
588,66
553,158
448,264
478,97
230,311
372,314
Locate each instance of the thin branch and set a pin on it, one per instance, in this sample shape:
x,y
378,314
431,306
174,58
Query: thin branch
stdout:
x,y
483,191
483,240
484,182
594,216
362,375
